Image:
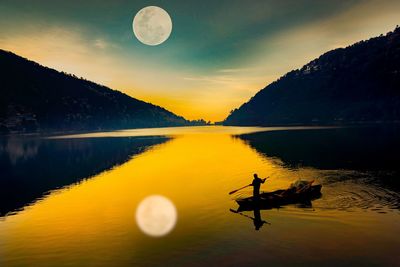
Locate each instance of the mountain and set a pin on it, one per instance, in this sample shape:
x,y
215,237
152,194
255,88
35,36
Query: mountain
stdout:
x,y
356,84
36,98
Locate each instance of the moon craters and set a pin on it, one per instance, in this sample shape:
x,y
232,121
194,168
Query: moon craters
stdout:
x,y
152,25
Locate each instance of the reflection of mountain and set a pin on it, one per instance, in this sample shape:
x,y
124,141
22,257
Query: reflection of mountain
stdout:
x,y
31,167
359,83
38,98
345,148
363,163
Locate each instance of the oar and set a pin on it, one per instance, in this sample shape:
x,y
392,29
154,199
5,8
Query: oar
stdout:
x,y
234,191
237,212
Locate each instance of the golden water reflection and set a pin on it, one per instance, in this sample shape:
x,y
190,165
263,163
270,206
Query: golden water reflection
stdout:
x,y
93,223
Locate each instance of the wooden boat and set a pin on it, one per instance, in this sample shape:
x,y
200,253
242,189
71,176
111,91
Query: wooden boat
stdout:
x,y
276,199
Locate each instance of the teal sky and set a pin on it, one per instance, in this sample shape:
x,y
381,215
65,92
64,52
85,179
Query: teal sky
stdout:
x,y
219,53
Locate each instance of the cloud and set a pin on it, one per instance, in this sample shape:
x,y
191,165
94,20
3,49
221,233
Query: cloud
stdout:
x,y
65,49
293,48
189,74
237,70
100,43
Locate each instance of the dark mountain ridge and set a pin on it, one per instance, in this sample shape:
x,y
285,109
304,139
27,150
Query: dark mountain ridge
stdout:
x,y
356,84
37,98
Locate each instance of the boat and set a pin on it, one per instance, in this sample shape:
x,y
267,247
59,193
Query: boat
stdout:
x,y
279,198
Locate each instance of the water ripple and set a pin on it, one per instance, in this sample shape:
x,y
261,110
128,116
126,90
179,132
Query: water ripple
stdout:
x,y
355,194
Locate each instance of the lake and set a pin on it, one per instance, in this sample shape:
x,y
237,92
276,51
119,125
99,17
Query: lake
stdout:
x,y
71,200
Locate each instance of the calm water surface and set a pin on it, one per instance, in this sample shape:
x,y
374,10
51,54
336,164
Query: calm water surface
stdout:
x,y
71,200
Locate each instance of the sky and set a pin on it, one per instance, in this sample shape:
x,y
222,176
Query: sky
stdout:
x,y
219,54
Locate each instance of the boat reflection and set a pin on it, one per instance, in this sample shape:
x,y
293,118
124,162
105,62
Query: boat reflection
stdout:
x,y
257,219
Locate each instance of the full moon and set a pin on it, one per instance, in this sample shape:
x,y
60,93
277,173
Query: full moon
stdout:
x,y
156,215
152,25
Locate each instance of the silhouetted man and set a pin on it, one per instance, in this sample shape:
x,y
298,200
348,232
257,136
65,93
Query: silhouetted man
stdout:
x,y
256,185
257,220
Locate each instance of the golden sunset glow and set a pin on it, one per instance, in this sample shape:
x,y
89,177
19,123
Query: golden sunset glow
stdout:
x,y
187,87
199,133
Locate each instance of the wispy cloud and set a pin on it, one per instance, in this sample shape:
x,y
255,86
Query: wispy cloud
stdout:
x,y
237,59
294,47
100,43
237,70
